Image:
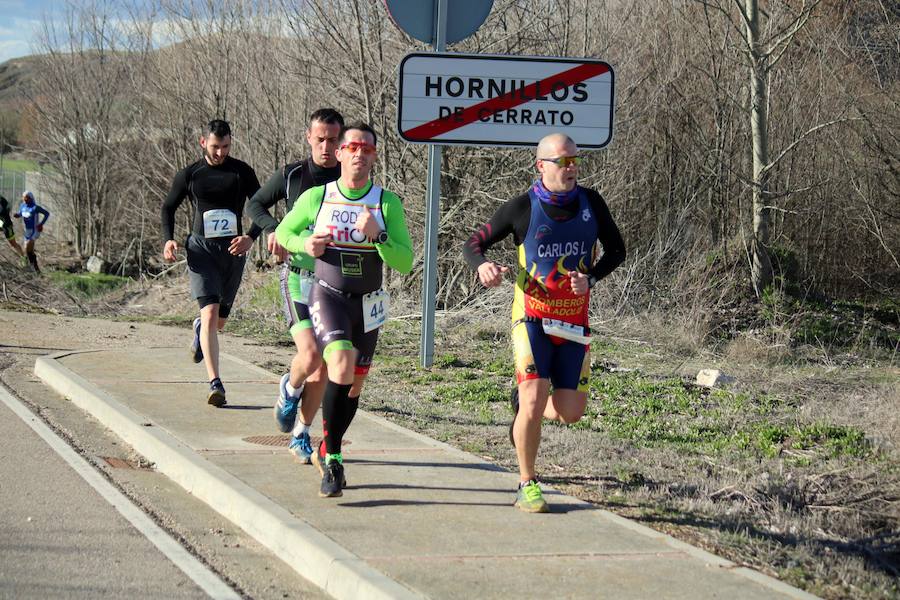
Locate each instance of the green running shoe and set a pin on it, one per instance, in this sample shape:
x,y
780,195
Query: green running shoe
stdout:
x,y
331,482
530,499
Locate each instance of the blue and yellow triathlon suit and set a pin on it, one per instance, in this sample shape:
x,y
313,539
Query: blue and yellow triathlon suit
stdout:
x,y
554,234
344,298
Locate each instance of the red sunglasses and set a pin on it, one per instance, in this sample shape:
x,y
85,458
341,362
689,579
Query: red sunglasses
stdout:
x,y
352,147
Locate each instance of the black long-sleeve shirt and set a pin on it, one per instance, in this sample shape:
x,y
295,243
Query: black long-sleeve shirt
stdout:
x,y
4,212
210,187
513,217
287,184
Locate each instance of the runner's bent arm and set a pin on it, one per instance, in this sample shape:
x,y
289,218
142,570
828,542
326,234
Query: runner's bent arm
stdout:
x,y
293,229
42,211
250,185
609,237
397,251
503,223
265,198
177,193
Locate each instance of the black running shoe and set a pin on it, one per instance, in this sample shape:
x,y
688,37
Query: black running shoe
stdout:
x,y
514,403
332,480
216,395
318,461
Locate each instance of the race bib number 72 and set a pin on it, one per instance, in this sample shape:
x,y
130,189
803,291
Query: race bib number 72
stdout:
x,y
219,222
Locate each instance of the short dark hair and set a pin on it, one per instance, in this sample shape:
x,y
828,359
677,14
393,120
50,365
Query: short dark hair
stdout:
x,y
218,127
359,125
329,116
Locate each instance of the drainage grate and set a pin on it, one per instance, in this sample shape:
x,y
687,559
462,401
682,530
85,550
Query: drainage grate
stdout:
x,y
282,440
117,463
268,440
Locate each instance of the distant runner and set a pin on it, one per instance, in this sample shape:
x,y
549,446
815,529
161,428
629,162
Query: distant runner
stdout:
x,y
306,376
6,227
356,227
33,217
555,226
218,186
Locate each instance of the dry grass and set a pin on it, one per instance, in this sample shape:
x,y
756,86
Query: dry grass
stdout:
x,y
793,470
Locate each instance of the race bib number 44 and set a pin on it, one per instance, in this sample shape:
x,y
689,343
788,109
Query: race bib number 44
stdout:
x,y
375,309
219,222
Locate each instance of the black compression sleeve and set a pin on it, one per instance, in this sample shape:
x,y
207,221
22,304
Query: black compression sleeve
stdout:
x,y
250,184
265,198
511,218
609,237
177,193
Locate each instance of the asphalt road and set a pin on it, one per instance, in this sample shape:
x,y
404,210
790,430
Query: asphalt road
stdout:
x,y
60,537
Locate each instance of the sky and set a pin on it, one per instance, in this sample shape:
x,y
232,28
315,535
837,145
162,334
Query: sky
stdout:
x,y
20,22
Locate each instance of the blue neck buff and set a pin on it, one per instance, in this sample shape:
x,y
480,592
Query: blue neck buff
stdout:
x,y
555,198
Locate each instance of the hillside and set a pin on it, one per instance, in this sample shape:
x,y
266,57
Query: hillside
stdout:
x,y
16,78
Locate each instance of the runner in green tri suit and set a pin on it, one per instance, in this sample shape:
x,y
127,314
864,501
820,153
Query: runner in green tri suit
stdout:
x,y
356,227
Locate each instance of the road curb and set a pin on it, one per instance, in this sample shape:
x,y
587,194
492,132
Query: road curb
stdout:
x,y
309,552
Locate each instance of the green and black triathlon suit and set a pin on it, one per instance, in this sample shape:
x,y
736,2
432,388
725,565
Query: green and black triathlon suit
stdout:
x,y
346,303
5,220
217,193
287,184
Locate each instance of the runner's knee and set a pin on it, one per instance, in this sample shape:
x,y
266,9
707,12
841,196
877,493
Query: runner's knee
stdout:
x,y
569,405
308,361
341,362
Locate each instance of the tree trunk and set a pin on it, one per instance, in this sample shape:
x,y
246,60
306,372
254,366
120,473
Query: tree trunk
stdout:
x,y
761,264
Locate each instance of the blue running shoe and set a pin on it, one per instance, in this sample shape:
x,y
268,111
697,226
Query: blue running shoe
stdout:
x,y
196,350
286,407
301,447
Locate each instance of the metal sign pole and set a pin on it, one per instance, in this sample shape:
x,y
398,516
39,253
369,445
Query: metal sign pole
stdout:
x,y
432,213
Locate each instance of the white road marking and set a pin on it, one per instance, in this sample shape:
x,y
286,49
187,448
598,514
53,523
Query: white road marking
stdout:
x,y
208,581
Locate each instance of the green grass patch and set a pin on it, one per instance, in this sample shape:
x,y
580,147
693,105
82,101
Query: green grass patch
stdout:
x,y
19,165
473,393
87,285
266,297
669,412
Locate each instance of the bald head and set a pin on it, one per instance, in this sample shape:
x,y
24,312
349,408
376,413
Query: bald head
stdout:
x,y
556,145
557,178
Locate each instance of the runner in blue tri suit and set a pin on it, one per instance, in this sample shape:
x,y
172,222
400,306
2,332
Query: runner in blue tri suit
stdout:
x,y
556,225
33,216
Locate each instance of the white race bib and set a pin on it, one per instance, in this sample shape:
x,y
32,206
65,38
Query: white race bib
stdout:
x,y
566,331
306,283
219,222
375,309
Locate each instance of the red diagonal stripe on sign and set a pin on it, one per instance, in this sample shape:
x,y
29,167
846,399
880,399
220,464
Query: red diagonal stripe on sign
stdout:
x,y
432,129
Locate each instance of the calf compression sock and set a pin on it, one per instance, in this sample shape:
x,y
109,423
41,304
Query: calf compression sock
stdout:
x,y
334,409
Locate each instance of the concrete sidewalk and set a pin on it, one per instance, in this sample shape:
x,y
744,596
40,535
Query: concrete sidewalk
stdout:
x,y
419,519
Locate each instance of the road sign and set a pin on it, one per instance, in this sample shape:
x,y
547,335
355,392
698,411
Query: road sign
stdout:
x,y
417,18
504,100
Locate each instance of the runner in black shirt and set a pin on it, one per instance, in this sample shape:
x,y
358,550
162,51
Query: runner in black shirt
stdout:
x,y
6,227
306,377
218,186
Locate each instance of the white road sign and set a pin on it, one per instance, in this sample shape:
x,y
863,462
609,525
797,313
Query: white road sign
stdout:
x,y
504,100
